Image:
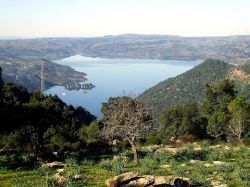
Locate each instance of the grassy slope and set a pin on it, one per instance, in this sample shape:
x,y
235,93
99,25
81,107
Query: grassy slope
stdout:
x,y
234,170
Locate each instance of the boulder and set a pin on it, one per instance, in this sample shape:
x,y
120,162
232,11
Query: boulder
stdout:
x,y
121,179
59,178
197,148
62,179
140,182
171,180
215,146
78,176
152,148
227,147
165,166
194,161
60,171
219,163
54,164
131,179
208,165
167,150
178,182
163,180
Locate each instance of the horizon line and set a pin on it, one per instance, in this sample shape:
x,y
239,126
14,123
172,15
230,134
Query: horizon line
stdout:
x,y
6,37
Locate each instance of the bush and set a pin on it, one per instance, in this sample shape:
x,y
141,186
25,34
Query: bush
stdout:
x,y
148,165
199,180
117,166
161,157
190,154
71,162
153,139
105,164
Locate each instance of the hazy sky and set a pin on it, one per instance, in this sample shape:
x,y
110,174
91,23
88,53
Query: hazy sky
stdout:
x,y
41,18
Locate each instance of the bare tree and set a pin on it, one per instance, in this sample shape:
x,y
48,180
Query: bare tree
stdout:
x,y
126,118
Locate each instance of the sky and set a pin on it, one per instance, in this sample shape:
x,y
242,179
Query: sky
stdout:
x,y
77,18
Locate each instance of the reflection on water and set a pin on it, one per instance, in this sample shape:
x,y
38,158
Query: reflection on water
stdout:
x,y
113,77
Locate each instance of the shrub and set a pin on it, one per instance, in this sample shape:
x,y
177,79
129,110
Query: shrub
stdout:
x,y
148,165
105,164
153,139
71,162
199,180
87,162
190,154
161,157
117,166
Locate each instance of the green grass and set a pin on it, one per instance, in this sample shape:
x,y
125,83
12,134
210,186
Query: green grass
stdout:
x,y
235,172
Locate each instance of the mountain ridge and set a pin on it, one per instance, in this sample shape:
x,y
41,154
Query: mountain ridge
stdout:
x,y
189,86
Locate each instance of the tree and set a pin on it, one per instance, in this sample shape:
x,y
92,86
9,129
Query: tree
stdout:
x,y
91,132
126,118
181,120
215,106
239,123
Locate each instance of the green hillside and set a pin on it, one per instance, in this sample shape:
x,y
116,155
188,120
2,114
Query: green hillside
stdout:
x,y
188,86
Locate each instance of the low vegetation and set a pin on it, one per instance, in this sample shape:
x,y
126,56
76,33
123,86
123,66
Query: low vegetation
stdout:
x,y
204,163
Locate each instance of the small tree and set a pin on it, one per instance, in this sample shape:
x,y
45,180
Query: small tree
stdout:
x,y
90,133
181,120
126,118
239,123
215,106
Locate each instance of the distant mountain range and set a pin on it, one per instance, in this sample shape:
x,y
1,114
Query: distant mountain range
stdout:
x,y
189,86
232,49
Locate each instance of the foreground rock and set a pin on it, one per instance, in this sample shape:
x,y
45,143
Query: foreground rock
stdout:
x,y
171,180
140,181
121,179
131,179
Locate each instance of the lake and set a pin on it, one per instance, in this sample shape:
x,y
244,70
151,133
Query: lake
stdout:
x,y
114,77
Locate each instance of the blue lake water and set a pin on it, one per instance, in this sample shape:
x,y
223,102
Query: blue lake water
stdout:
x,y
114,77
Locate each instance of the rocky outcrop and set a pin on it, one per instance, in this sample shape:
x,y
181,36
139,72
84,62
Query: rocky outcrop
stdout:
x,y
121,179
172,181
140,181
54,164
131,179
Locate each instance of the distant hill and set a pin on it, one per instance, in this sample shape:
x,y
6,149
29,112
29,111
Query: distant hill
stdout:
x,y
16,52
189,86
26,72
165,47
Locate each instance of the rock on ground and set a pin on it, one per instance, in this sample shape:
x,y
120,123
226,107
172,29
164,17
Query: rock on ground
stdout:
x,y
54,164
131,179
121,179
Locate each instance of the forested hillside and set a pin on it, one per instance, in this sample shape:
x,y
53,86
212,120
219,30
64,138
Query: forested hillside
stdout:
x,y
189,86
32,121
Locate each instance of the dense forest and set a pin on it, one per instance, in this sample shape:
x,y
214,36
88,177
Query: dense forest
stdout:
x,y
33,121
